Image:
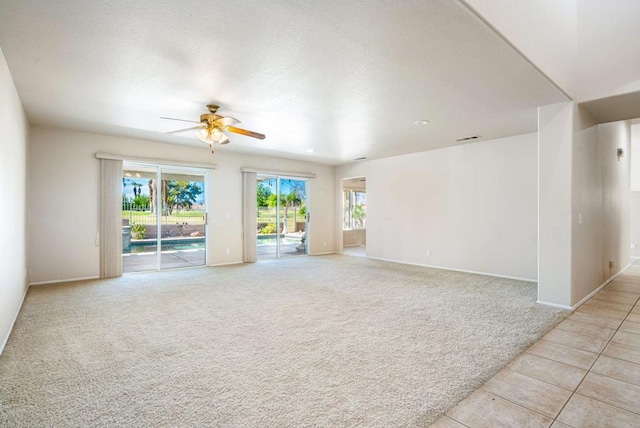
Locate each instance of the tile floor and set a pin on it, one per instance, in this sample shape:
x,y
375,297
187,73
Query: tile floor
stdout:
x,y
583,373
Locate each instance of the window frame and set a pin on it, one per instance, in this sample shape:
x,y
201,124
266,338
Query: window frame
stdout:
x,y
349,199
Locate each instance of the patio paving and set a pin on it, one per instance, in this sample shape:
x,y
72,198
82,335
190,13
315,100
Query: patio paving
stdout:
x,y
268,251
169,260
142,262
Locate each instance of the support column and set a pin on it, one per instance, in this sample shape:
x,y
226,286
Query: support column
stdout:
x,y
555,152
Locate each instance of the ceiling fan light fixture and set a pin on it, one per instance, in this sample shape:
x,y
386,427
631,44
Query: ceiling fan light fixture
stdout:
x,y
217,135
211,135
203,135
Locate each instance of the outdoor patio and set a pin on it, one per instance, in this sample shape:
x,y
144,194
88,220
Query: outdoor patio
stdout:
x,y
266,251
141,262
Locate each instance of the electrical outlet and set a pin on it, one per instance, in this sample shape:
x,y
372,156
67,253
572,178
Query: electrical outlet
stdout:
x,y
228,251
634,246
428,253
611,264
579,218
324,243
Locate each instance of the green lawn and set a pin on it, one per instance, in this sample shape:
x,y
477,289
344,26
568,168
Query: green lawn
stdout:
x,y
147,217
267,215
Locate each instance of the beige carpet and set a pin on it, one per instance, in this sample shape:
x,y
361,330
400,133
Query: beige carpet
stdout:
x,y
313,341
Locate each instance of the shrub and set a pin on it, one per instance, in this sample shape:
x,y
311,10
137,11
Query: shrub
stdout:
x,y
138,231
270,228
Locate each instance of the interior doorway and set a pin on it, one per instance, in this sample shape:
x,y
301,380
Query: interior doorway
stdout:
x,y
164,217
354,217
282,217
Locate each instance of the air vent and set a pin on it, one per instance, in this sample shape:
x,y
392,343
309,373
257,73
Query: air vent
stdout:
x,y
475,137
362,158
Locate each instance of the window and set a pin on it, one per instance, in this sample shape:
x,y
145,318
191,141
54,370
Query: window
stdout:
x,y
355,209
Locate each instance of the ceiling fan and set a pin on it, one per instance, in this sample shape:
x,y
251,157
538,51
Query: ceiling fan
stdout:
x,y
212,126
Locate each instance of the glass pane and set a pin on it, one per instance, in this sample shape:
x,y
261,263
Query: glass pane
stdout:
x,y
293,210
139,248
346,207
282,217
359,211
183,219
267,202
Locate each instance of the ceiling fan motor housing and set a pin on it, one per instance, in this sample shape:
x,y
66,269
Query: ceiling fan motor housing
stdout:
x,y
209,118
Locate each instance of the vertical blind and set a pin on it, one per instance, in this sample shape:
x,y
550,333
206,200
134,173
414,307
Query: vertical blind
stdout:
x,y
110,218
249,216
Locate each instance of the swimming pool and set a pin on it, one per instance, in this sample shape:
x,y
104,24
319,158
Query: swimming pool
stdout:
x,y
272,240
172,244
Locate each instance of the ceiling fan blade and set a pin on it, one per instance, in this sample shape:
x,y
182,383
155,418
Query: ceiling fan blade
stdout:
x,y
224,140
245,132
226,121
181,120
186,129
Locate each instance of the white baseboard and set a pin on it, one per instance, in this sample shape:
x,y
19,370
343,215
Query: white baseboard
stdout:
x,y
226,264
322,254
58,281
588,296
604,284
15,318
455,270
554,305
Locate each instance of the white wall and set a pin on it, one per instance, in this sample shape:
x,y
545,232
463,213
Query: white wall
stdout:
x,y
354,237
634,209
473,206
616,194
588,242
555,147
583,203
588,48
13,176
545,31
64,199
608,46
635,157
635,190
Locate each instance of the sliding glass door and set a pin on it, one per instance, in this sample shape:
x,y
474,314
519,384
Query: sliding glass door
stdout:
x,y
164,217
182,220
139,243
282,217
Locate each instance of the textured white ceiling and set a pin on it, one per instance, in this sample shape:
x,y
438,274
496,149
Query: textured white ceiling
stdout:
x,y
343,78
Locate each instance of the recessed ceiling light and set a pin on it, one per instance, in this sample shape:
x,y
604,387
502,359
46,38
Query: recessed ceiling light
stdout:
x,y
309,150
420,122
